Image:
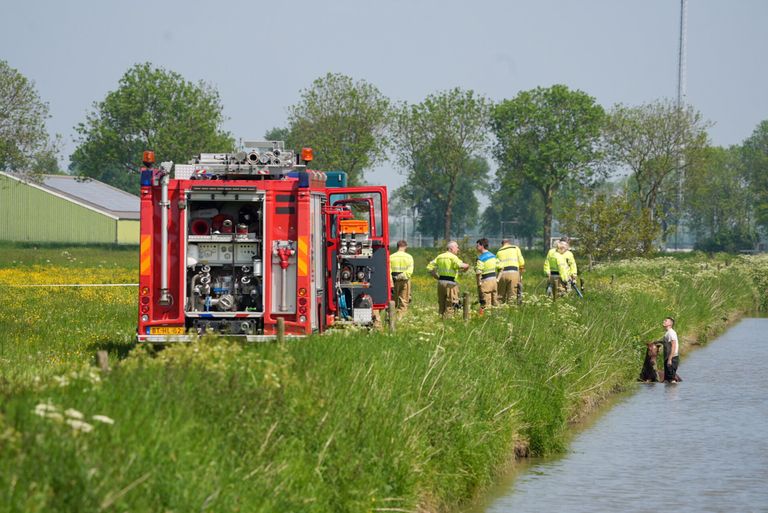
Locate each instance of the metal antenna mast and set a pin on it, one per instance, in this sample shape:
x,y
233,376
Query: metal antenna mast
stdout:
x,y
681,53
680,106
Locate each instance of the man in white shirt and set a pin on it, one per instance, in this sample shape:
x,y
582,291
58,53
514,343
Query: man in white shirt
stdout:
x,y
671,351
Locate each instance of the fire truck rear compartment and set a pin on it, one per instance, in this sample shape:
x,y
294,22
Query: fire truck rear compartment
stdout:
x,y
225,263
232,244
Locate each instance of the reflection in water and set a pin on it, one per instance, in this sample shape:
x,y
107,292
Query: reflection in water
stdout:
x,y
701,445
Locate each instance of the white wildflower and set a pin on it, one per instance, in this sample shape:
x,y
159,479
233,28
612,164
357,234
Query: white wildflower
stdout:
x,y
55,416
94,376
61,380
43,409
103,418
73,414
79,425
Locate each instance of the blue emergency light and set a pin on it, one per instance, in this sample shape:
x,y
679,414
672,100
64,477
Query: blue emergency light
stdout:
x,y
146,177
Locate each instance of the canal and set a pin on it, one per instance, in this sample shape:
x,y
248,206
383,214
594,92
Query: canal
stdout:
x,y
701,445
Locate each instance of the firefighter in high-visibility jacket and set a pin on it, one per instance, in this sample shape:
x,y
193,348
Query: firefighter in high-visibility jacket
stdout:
x,y
401,270
511,268
556,268
572,269
445,268
485,268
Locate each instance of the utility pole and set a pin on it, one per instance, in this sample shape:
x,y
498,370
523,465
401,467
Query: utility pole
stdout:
x,y
681,92
681,64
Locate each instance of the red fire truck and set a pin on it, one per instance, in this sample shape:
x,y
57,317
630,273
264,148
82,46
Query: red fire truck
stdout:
x,y
230,243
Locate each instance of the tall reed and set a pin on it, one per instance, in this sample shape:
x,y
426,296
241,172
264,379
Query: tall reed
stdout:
x,y
419,420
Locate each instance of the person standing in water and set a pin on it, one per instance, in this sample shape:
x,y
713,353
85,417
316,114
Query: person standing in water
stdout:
x,y
671,351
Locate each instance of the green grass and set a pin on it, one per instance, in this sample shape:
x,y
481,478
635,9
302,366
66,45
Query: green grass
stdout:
x,y
45,330
348,421
27,253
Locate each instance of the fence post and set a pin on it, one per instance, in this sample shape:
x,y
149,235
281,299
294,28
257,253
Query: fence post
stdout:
x,y
280,329
102,359
465,304
391,316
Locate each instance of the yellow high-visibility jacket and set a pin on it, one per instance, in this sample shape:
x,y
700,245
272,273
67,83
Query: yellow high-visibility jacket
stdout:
x,y
486,263
510,256
556,263
446,264
401,262
571,262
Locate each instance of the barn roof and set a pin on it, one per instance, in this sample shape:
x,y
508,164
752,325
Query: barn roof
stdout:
x,y
91,193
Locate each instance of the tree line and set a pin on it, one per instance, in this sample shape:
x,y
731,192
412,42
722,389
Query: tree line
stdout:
x,y
619,179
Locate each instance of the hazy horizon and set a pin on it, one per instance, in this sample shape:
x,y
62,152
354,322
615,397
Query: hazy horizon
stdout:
x,y
259,58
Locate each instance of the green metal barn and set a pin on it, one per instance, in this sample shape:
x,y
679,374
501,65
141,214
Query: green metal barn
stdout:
x,y
63,208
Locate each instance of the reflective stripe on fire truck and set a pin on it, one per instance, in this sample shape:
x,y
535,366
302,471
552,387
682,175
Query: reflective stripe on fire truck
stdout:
x,y
146,255
302,260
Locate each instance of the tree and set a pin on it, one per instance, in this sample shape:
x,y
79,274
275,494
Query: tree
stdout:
x,y
152,109
344,122
282,134
611,226
438,143
549,136
432,208
755,159
719,201
24,141
46,160
656,142
514,210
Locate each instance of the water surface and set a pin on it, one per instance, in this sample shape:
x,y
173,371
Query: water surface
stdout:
x,y
701,445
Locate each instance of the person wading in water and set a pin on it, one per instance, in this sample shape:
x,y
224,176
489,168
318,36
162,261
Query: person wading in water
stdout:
x,y
671,351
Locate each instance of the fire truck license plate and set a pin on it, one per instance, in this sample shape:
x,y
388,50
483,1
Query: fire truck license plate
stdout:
x,y
166,330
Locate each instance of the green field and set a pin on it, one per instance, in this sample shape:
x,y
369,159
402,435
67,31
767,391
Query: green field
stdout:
x,y
420,420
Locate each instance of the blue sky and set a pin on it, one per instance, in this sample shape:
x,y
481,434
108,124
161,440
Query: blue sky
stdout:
x,y
259,55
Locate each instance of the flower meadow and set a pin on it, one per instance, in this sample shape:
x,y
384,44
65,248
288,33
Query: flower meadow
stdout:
x,y
422,419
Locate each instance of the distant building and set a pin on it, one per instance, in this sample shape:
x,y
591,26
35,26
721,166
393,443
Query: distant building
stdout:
x,y
68,209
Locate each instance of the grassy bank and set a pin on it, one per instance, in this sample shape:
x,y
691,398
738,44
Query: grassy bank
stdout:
x,y
349,421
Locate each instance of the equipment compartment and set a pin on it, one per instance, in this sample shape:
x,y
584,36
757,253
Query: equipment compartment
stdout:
x,y
224,273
